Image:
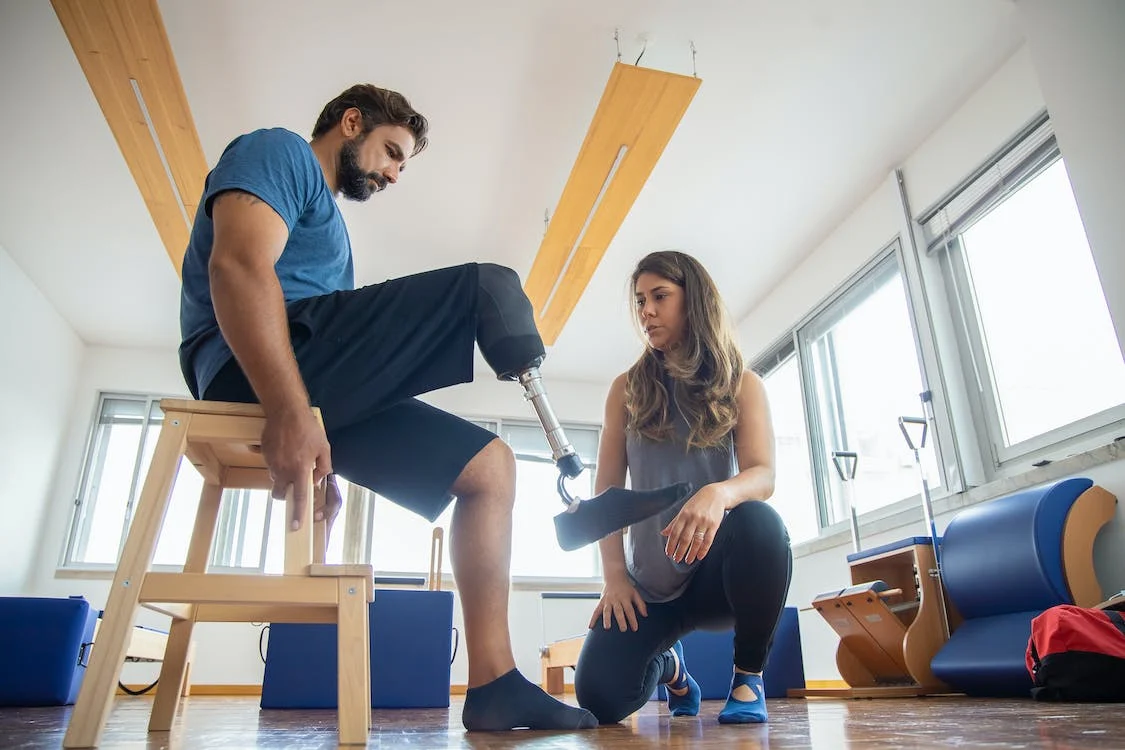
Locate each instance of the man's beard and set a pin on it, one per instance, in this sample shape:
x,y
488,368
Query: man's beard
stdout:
x,y
354,183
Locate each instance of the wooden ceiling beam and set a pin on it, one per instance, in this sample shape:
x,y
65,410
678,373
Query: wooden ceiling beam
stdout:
x,y
639,111
123,49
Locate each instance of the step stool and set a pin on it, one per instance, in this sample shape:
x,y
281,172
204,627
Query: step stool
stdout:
x,y
223,441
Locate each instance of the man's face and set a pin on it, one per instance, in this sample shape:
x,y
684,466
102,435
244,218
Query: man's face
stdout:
x,y
368,163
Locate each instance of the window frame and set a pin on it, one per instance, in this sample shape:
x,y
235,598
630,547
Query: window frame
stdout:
x,y
228,543
496,425
776,356
948,465
1029,153
79,497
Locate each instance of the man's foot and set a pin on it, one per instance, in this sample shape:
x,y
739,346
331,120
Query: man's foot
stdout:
x,y
747,701
683,691
511,702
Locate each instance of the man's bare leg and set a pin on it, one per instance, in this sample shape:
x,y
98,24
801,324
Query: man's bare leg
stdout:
x,y
499,697
480,547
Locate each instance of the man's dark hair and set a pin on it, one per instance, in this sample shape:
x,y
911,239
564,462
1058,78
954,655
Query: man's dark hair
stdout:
x,y
379,107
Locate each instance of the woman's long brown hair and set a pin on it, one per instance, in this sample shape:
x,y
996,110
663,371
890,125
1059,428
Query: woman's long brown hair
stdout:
x,y
706,369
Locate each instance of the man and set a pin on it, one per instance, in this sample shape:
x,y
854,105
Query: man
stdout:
x,y
269,314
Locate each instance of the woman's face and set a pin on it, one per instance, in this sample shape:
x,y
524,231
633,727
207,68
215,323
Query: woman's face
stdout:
x,y
660,309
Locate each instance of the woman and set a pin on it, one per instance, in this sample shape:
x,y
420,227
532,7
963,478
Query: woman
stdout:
x,y
686,411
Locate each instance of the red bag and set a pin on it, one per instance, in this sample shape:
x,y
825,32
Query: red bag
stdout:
x,y
1077,654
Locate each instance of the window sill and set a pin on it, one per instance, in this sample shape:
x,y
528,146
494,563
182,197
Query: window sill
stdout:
x,y
908,512
518,583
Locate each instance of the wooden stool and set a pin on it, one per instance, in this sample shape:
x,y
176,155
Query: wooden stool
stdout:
x,y
555,658
223,441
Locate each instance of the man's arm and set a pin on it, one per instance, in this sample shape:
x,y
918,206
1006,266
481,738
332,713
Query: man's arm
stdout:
x,y
250,308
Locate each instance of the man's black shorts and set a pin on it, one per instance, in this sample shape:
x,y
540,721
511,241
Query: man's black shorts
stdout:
x,y
364,355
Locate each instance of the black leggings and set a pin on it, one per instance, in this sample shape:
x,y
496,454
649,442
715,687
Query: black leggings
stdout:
x,y
743,582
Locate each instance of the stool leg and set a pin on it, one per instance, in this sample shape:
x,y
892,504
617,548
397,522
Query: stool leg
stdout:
x,y
299,543
353,662
320,531
173,670
95,698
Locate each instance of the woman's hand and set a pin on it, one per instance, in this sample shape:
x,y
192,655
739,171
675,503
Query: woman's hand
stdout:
x,y
692,532
619,600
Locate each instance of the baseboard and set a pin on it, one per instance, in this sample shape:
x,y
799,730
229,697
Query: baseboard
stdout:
x,y
234,690
825,684
231,690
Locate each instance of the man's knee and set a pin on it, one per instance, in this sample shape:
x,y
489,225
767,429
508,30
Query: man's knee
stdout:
x,y
506,332
493,468
496,276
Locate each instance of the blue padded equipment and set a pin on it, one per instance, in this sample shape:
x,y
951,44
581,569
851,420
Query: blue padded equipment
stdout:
x,y
709,656
912,541
411,641
46,649
1002,565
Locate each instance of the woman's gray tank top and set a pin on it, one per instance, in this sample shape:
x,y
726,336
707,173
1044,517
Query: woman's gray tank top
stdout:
x,y
655,464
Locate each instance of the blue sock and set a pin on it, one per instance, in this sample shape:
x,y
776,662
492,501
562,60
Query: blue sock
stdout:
x,y
688,703
745,712
511,702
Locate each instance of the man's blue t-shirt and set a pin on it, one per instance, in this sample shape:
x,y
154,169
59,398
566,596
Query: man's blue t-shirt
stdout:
x,y
279,167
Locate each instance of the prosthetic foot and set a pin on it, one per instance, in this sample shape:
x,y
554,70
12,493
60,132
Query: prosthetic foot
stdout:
x,y
586,521
510,343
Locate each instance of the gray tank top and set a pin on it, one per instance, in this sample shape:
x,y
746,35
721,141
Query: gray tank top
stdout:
x,y
658,464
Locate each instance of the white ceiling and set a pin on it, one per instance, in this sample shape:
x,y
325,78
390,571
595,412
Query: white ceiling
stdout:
x,y
803,109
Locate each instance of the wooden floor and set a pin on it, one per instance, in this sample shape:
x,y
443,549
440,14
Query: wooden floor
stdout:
x,y
210,722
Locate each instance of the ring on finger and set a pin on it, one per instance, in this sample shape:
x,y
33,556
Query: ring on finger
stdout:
x,y
700,535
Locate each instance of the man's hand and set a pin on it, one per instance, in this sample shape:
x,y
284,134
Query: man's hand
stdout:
x,y
293,444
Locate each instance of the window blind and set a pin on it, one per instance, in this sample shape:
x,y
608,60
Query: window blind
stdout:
x,y
1010,168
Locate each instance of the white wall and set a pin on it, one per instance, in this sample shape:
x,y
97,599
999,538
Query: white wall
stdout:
x,y
1086,103
39,360
228,653
1078,52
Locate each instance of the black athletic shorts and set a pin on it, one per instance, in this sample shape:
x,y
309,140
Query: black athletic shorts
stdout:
x,y
364,355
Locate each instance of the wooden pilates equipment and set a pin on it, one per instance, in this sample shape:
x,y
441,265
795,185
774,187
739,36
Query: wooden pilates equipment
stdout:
x,y
890,619
890,626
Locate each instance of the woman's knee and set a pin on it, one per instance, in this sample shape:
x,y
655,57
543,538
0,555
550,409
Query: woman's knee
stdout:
x,y
755,520
604,693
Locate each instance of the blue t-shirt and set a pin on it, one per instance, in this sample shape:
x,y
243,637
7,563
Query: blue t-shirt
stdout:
x,y
280,168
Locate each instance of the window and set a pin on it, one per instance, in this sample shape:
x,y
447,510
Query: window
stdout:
x,y
1044,359
861,374
400,539
794,496
250,532
250,528
841,381
120,450
535,551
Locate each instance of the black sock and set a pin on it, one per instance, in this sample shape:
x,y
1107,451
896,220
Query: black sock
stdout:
x,y
511,702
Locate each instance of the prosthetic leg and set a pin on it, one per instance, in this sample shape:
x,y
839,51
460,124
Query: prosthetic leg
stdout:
x,y
510,343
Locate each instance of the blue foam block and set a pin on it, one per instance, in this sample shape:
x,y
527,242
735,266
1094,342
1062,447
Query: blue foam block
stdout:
x,y
46,648
710,660
411,641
